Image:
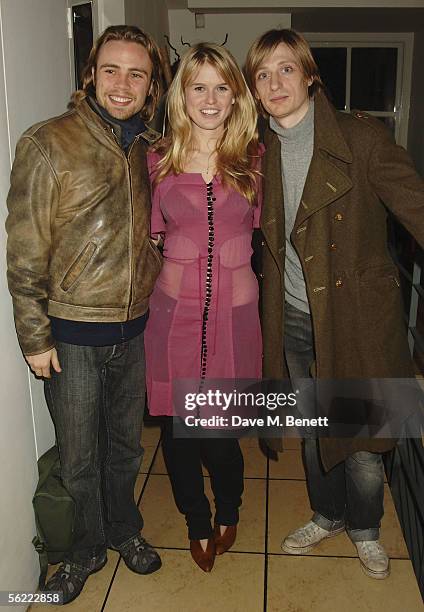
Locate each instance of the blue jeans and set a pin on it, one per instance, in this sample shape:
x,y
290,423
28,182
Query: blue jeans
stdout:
x,y
352,492
96,404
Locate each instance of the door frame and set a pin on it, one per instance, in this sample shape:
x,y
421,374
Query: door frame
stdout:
x,y
95,24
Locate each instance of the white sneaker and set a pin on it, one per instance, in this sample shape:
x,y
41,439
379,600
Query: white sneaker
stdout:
x,y
305,538
373,558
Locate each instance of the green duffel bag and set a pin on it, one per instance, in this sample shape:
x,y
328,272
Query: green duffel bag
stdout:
x,y
54,512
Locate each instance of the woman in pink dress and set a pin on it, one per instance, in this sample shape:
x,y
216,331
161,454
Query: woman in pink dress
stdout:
x,y
204,321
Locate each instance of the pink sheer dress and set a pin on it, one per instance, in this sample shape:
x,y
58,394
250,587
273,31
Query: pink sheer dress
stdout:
x,y
204,320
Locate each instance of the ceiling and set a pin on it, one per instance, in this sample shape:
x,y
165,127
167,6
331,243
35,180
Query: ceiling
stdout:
x,y
339,19
358,20
235,6
176,4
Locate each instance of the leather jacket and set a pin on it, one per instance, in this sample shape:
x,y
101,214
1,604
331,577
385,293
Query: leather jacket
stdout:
x,y
78,227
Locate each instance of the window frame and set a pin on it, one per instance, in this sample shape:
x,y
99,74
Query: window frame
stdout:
x,y
403,42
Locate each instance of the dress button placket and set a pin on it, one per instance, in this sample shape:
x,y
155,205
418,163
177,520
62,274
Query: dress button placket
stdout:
x,y
208,292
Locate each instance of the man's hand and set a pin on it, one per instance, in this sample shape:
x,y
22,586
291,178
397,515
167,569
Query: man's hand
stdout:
x,y
40,364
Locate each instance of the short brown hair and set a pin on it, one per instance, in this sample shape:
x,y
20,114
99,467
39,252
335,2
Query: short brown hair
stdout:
x,y
268,42
128,34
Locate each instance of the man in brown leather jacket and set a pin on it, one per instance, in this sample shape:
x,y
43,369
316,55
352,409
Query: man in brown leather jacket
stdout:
x,y
81,268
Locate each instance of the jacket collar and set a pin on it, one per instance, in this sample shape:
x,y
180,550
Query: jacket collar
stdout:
x,y
125,130
96,122
328,136
90,117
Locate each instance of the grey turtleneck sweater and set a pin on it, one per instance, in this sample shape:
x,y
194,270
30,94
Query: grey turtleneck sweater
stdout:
x,y
297,144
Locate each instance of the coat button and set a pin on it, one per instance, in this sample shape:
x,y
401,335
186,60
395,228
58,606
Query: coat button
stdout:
x,y
339,283
338,217
333,246
261,274
263,243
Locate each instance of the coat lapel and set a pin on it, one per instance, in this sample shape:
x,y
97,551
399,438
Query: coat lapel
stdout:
x,y
325,182
272,217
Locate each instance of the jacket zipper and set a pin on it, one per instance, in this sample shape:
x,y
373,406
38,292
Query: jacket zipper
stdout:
x,y
128,172
127,158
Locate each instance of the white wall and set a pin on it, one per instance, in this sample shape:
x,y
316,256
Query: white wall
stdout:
x,y
111,12
35,83
36,57
38,82
149,16
242,29
17,447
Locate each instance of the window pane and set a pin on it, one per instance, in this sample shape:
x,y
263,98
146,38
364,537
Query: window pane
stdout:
x,y
332,66
390,123
373,85
83,38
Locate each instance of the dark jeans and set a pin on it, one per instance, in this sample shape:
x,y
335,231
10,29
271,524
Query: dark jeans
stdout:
x,y
351,493
224,461
96,404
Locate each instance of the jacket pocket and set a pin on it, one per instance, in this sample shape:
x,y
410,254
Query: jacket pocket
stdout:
x,y
78,266
381,334
375,273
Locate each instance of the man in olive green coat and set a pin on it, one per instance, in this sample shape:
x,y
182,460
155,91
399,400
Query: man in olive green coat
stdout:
x,y
331,300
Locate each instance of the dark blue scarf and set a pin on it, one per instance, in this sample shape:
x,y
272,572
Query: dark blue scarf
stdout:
x,y
127,129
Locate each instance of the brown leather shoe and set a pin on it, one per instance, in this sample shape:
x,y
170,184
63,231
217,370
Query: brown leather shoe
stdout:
x,y
203,558
226,540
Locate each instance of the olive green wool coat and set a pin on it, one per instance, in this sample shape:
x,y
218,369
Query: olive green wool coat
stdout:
x,y
340,235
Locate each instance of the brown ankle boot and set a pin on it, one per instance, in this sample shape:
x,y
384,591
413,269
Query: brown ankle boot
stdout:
x,y
226,540
203,558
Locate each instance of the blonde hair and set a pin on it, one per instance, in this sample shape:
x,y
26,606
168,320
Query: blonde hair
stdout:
x,y
127,34
267,43
237,149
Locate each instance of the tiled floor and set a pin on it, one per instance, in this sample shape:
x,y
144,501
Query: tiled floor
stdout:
x,y
256,575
